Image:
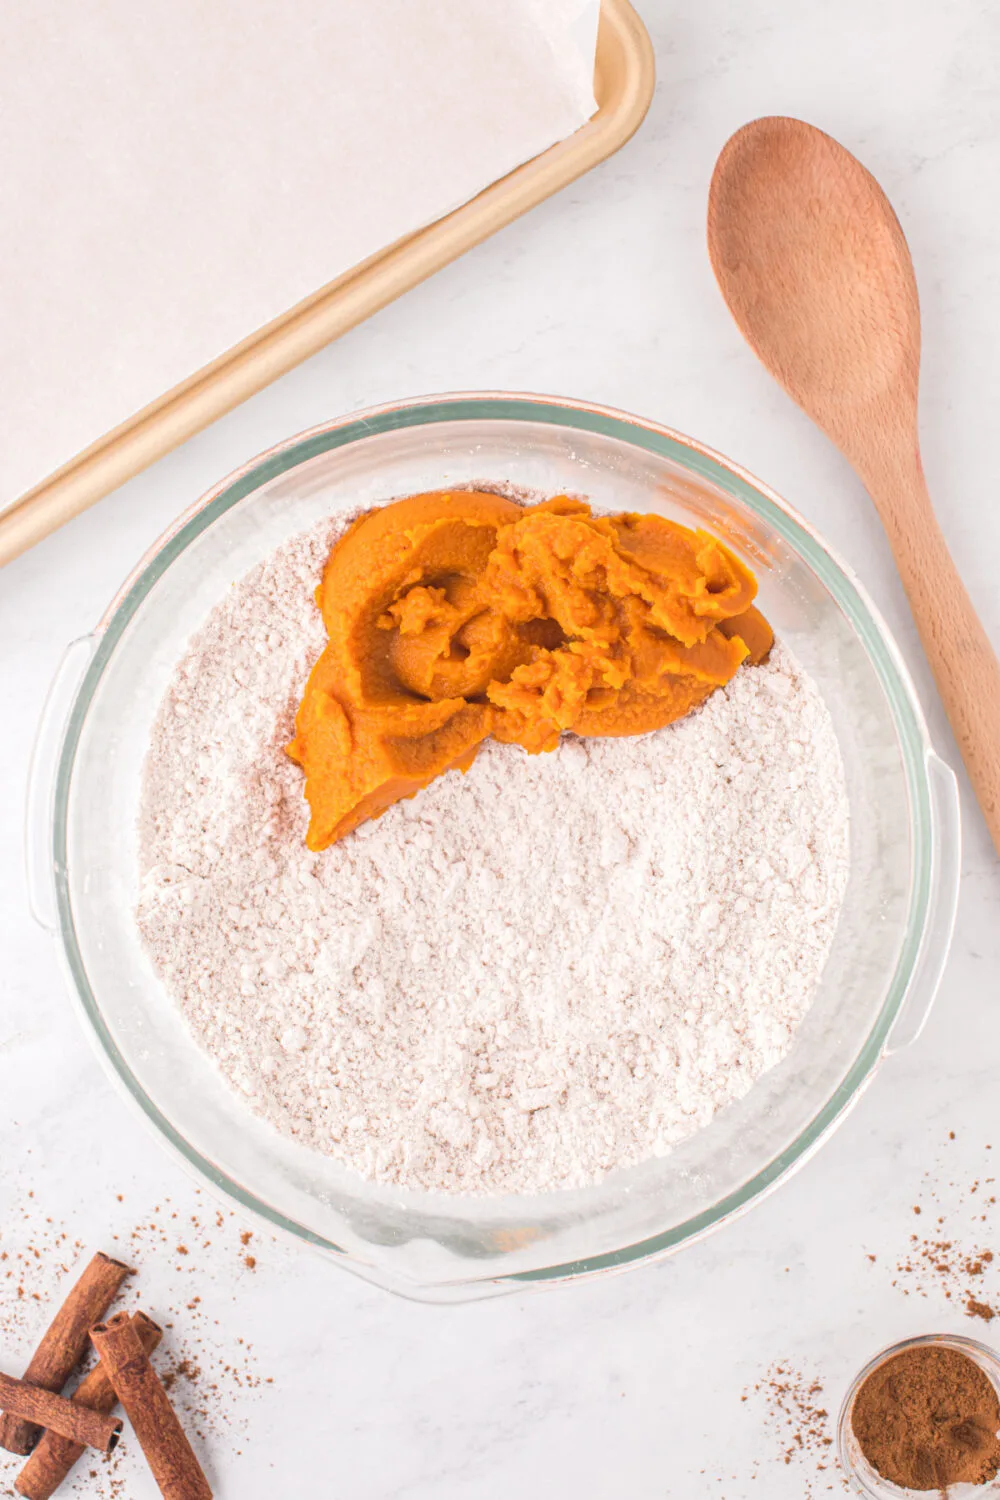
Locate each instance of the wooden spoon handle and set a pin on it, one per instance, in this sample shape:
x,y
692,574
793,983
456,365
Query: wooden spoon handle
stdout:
x,y
962,658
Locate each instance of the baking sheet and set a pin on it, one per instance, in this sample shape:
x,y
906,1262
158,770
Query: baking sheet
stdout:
x,y
178,175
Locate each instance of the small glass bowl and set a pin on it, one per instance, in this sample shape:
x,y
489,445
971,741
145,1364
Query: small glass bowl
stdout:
x,y
866,1480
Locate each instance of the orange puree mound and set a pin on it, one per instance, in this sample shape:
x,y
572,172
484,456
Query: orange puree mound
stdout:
x,y
456,615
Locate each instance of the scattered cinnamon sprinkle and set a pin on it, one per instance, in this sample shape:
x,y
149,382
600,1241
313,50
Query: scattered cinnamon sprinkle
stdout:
x,y
800,1424
181,1369
942,1262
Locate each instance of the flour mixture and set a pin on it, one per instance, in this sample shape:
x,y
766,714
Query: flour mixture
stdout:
x,y
525,977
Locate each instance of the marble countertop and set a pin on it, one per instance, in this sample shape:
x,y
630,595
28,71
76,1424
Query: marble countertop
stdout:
x,y
310,1382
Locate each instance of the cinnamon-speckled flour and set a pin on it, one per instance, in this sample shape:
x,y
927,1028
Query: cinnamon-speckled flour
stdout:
x,y
524,977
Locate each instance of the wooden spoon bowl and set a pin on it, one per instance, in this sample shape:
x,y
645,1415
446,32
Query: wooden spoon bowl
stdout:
x,y
816,271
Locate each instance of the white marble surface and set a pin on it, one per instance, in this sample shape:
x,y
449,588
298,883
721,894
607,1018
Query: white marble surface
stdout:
x,y
630,1385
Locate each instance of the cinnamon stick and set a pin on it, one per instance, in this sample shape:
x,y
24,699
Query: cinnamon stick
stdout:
x,y
168,1452
55,1456
64,1342
33,1404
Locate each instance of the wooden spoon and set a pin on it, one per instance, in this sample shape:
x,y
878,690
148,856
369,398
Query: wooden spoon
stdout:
x,y
815,269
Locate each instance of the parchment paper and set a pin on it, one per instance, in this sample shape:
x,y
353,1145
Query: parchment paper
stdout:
x,y
176,173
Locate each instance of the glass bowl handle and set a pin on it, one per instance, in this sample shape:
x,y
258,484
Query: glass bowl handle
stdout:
x,y
59,700
945,875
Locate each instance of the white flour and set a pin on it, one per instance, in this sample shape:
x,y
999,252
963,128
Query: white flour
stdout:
x,y
524,977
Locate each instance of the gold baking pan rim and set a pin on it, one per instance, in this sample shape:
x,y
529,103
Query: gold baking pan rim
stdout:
x,y
624,78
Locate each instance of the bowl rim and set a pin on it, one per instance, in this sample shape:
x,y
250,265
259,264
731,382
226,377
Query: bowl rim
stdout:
x,y
696,457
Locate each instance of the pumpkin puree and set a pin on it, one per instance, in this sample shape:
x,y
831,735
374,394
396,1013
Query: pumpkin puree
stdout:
x,y
456,615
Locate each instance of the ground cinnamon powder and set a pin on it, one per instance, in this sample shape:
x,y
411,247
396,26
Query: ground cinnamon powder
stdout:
x,y
928,1418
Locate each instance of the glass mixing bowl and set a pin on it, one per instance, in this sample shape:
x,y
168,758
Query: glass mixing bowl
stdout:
x,y
890,945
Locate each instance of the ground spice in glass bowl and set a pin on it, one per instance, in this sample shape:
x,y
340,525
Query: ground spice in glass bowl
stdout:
x,y
923,1417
